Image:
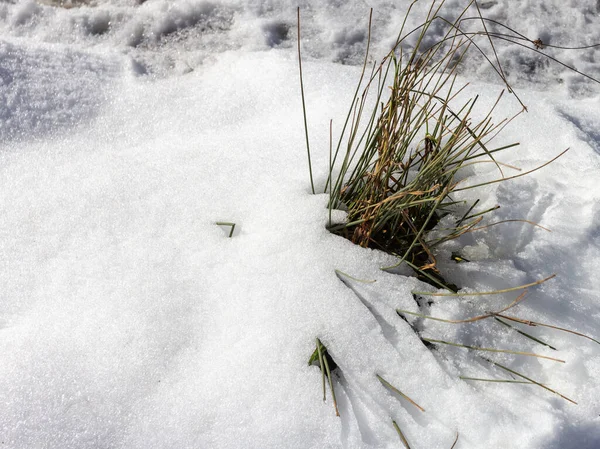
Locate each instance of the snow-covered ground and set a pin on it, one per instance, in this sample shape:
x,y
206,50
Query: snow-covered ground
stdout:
x,y
128,319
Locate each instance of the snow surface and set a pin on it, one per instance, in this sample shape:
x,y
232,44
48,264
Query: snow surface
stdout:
x,y
128,318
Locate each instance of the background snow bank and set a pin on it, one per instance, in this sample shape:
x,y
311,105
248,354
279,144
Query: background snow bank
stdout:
x,y
129,319
46,88
166,37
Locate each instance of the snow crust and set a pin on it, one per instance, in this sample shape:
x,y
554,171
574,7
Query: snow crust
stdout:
x,y
129,319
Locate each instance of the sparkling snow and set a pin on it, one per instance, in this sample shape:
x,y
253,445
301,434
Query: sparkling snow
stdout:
x,y
129,319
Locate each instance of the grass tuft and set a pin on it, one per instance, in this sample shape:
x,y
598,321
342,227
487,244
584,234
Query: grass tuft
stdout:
x,y
399,169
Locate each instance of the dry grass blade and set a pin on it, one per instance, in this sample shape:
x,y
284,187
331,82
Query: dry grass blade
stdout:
x,y
398,169
467,320
395,390
531,380
512,221
534,323
507,381
505,351
515,176
364,281
495,292
455,441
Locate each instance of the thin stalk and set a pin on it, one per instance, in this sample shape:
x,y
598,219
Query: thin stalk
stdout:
x,y
495,292
455,441
337,412
330,163
364,281
401,435
467,320
511,221
464,217
525,334
530,380
512,177
505,351
428,276
321,364
312,184
495,380
354,97
534,323
478,214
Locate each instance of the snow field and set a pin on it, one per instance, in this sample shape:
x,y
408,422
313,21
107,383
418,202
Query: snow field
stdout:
x,y
129,319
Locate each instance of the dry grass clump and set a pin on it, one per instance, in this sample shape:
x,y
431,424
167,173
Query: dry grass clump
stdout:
x,y
398,172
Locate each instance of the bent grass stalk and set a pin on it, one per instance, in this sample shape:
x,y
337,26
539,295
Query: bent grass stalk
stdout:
x,y
455,441
225,223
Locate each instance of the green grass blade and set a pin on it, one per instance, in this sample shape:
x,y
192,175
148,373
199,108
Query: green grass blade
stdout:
x,y
322,365
401,435
326,363
312,184
525,334
224,223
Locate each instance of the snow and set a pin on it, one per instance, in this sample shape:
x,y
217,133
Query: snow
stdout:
x,y
129,319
